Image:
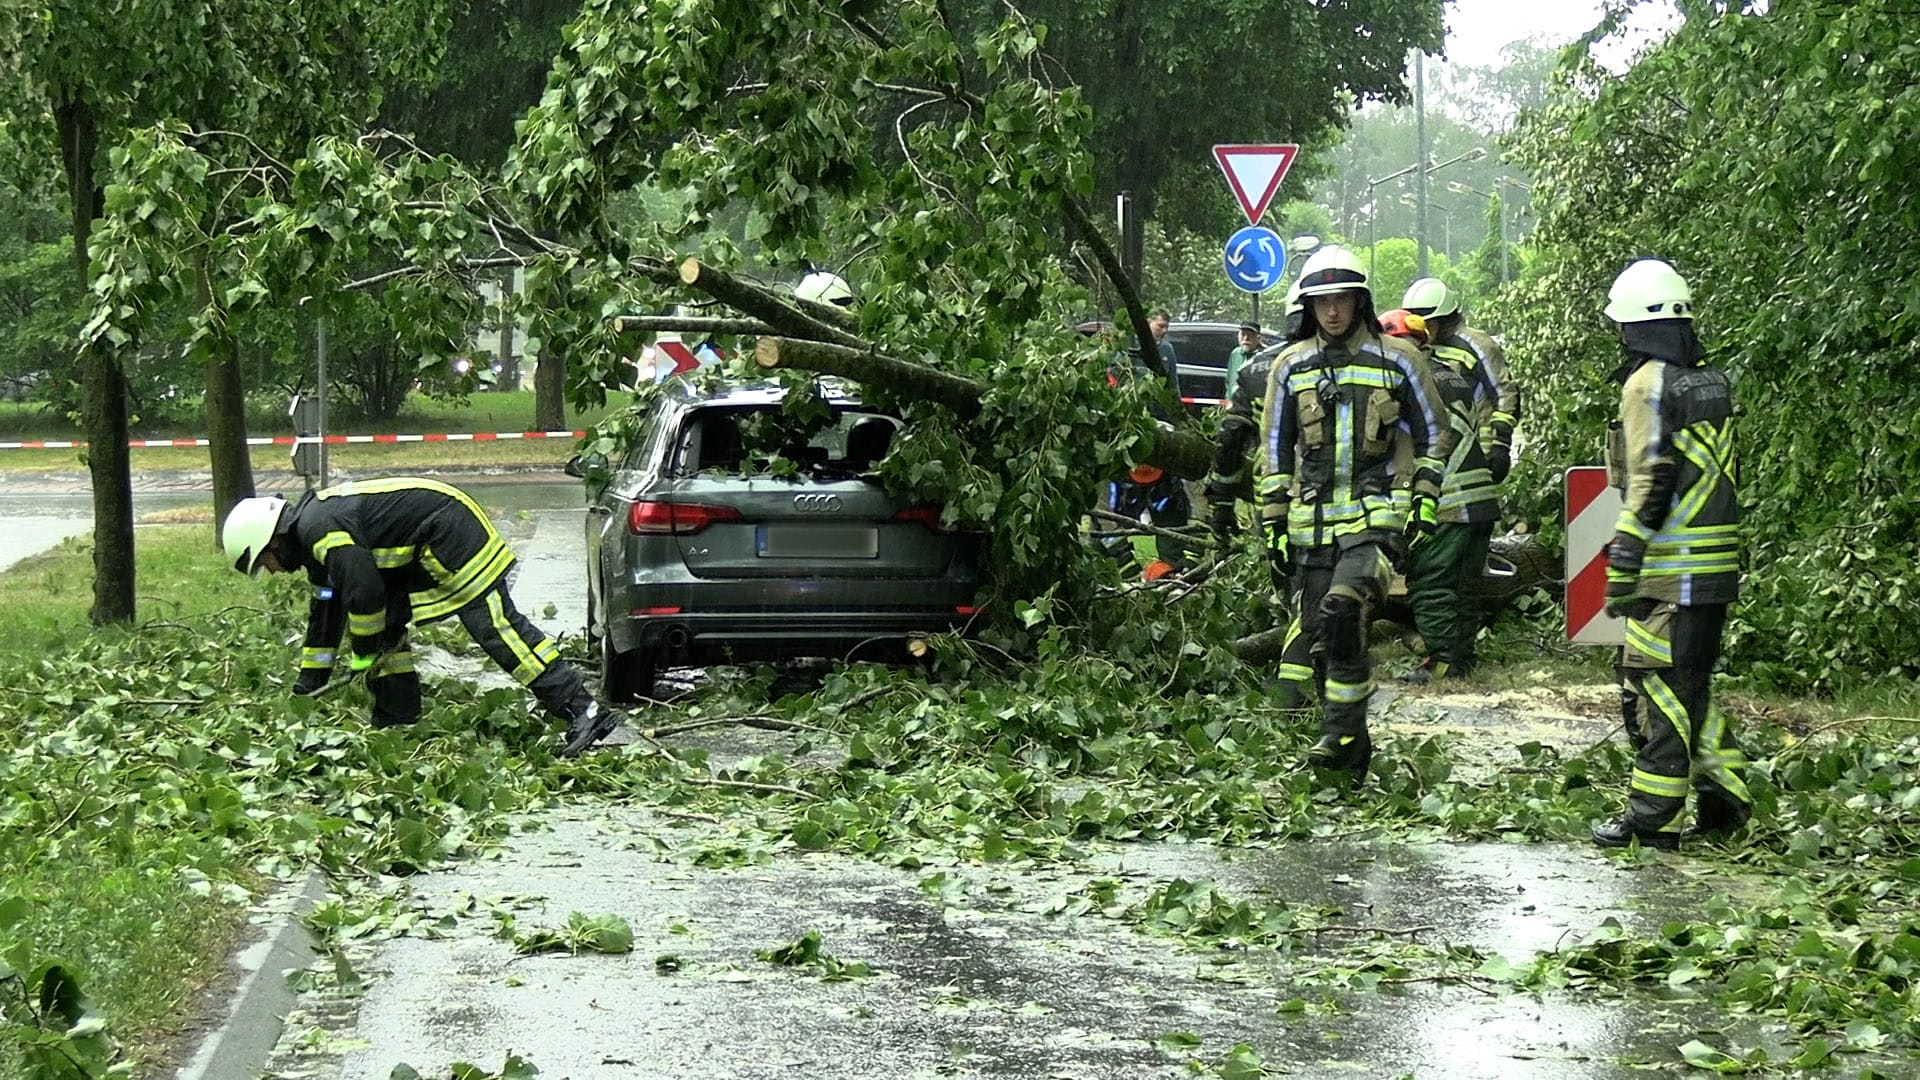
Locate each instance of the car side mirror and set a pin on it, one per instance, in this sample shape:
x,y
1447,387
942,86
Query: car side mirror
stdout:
x,y
575,469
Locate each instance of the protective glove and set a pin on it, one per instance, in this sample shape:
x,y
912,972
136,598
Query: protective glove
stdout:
x,y
1624,556
311,680
1273,528
366,652
1500,463
1423,520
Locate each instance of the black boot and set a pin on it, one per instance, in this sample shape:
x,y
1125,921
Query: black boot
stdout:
x,y
1618,834
590,723
1346,753
1715,815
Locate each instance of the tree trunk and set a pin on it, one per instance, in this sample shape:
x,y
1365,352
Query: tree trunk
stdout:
x,y
226,404
103,388
550,390
509,363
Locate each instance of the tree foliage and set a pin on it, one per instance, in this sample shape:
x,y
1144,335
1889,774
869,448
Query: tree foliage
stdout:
x,y
1772,157
1167,81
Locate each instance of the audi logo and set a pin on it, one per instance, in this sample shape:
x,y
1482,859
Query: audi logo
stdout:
x,y
817,504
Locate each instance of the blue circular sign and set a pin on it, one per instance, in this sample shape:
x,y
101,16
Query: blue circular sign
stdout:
x,y
1255,259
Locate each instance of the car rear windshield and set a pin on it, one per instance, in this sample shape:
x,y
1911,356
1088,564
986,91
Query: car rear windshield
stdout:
x,y
764,438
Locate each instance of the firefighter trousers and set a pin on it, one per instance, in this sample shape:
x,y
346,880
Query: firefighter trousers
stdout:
x,y
1443,573
1667,666
1338,590
521,650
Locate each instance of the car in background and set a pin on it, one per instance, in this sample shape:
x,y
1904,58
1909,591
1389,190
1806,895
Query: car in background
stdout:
x,y
698,554
1200,350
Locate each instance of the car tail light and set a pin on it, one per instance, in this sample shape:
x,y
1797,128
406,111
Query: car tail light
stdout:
x,y
643,611
965,609
678,519
925,515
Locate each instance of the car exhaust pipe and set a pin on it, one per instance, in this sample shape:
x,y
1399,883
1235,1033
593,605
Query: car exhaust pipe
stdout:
x,y
677,638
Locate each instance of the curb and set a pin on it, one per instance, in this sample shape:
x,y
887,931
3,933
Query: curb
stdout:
x,y
238,1048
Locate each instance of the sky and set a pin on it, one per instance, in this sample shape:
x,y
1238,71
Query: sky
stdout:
x,y
1476,29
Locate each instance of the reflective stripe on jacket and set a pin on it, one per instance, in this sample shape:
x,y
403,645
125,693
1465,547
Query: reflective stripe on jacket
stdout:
x,y
1672,455
1333,411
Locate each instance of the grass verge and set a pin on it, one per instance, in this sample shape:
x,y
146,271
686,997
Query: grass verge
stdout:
x,y
152,778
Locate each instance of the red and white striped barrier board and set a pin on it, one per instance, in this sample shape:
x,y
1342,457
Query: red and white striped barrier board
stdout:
x,y
296,440
1592,508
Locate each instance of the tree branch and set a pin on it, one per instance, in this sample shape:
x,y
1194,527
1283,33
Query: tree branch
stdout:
x,y
686,324
789,316
1179,452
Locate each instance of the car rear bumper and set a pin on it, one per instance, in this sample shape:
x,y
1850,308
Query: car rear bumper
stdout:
x,y
707,637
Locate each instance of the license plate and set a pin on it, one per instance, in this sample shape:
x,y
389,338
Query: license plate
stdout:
x,y
819,542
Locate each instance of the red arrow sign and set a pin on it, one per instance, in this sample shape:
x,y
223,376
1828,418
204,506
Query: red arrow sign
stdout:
x,y
682,357
1254,172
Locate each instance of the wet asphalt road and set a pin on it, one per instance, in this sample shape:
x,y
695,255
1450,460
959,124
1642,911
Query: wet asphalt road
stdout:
x,y
975,980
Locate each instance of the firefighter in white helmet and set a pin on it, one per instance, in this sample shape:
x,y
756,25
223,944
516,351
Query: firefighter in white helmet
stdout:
x,y
385,554
1336,510
1480,394
824,287
1673,568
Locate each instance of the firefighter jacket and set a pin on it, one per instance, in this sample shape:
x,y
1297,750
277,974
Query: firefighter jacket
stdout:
x,y
1468,494
1334,409
365,545
1240,427
1498,403
1671,455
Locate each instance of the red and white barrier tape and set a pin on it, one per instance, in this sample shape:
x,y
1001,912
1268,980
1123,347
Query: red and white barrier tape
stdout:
x,y
294,440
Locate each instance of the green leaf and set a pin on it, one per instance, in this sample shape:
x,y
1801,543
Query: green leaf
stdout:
x,y
13,911
1702,1056
1863,1035
1815,1052
1174,1041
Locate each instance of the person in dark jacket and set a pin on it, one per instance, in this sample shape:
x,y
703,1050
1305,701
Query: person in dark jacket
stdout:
x,y
385,554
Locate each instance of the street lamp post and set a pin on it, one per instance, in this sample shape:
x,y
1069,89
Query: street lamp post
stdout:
x,y
1373,205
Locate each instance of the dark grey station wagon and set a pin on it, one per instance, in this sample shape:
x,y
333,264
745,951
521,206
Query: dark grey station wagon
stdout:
x,y
696,554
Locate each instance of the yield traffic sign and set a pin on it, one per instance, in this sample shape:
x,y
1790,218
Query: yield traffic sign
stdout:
x,y
1255,259
1254,172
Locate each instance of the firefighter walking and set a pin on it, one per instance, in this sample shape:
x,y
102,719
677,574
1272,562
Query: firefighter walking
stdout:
x,y
385,554
1334,506
1673,567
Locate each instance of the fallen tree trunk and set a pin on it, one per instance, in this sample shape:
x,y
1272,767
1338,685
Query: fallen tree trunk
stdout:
x,y
1178,452
1261,648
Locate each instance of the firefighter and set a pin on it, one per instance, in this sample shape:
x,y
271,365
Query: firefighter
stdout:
x,y
1673,568
1329,503
383,554
824,287
1231,479
1473,350
1442,570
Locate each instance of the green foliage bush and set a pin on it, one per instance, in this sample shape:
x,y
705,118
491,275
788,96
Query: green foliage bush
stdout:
x,y
1772,159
